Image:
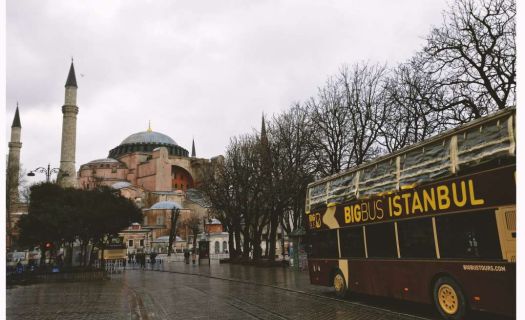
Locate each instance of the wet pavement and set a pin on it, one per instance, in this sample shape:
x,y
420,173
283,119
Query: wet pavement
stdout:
x,y
178,291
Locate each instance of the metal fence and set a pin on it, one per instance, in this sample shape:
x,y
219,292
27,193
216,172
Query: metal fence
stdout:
x,y
179,257
112,267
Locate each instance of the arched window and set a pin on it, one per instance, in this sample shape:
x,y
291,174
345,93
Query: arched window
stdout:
x,y
224,246
217,247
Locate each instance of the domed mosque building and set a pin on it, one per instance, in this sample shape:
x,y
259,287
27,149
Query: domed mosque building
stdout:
x,y
159,175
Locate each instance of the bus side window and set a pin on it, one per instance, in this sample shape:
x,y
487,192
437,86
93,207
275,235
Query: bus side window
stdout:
x,y
381,240
324,244
416,238
468,235
352,242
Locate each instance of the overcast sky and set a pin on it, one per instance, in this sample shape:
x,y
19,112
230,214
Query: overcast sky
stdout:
x,y
202,69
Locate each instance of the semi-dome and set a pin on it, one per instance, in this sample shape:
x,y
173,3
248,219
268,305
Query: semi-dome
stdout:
x,y
103,163
149,137
103,160
166,205
121,184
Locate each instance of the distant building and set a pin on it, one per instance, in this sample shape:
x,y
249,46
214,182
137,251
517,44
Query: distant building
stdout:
x,y
153,170
136,238
217,237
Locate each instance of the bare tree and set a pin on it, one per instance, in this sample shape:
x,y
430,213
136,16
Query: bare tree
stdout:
x,y
218,188
292,148
410,114
174,217
193,223
473,57
364,101
332,125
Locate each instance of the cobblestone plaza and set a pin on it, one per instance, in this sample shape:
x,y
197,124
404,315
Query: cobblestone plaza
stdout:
x,y
178,291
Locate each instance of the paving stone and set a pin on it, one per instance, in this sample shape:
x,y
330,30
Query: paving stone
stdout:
x,y
169,292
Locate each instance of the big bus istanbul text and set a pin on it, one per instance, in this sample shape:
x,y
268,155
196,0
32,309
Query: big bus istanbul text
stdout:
x,y
458,195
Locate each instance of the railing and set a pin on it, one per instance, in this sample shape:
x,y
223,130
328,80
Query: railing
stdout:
x,y
111,266
219,256
179,257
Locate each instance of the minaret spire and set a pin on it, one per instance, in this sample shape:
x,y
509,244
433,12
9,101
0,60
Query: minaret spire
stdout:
x,y
16,120
67,174
149,126
263,130
71,78
193,154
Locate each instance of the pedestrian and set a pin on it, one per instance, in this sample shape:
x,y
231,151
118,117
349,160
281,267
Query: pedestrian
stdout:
x,y
193,257
142,260
152,257
186,257
19,267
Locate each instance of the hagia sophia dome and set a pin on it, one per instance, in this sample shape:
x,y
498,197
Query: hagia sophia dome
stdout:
x,y
148,137
147,141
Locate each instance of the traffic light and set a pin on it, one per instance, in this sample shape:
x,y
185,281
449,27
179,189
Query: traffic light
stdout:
x,y
49,245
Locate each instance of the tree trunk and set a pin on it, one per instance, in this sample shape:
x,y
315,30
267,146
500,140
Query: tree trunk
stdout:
x,y
282,243
231,248
195,232
68,257
42,254
246,241
90,254
237,236
173,229
102,261
256,242
266,247
273,236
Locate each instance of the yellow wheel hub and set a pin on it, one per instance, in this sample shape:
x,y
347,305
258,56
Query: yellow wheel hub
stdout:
x,y
339,283
448,299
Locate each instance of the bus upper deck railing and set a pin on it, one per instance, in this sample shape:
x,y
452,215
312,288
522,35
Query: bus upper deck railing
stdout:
x,y
488,138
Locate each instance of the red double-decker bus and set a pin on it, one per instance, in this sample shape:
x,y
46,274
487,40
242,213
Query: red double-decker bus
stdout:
x,y
431,223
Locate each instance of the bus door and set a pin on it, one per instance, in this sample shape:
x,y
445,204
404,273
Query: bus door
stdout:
x,y
506,221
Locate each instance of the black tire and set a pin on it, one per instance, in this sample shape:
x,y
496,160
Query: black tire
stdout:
x,y
449,299
339,283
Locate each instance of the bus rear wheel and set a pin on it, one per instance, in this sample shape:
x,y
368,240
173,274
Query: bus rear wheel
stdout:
x,y
449,299
339,283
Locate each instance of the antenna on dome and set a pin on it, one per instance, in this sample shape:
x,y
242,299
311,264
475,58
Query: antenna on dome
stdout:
x,y
149,125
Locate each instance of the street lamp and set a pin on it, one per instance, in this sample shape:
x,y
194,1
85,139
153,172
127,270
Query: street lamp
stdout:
x,y
47,172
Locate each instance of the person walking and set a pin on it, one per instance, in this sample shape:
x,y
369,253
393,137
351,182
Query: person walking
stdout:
x,y
142,260
152,257
19,267
186,257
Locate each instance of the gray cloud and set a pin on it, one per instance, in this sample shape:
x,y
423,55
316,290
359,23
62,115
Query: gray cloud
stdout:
x,y
203,69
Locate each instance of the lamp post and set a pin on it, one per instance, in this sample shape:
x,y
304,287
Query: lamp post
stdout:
x,y
47,171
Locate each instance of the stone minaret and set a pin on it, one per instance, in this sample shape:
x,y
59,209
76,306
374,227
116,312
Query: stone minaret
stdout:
x,y
13,162
67,174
